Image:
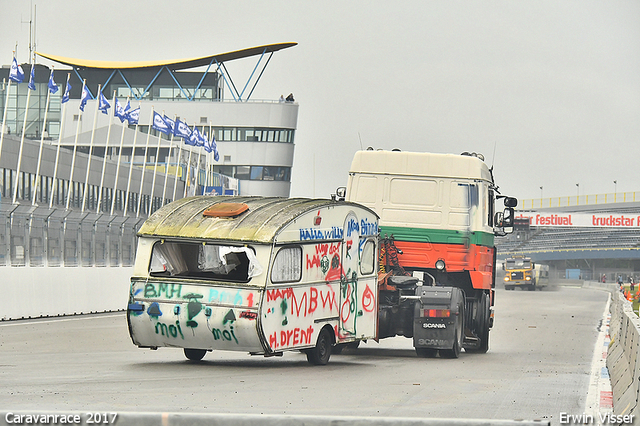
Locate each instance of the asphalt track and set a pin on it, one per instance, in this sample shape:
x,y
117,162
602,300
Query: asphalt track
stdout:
x,y
538,366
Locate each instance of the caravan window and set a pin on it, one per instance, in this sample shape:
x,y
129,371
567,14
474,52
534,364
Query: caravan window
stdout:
x,y
287,266
368,259
203,261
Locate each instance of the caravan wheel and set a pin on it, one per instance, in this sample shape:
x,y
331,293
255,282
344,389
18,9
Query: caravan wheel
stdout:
x,y
320,354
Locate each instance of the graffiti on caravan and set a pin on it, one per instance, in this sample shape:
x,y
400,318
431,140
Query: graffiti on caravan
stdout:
x,y
581,219
335,233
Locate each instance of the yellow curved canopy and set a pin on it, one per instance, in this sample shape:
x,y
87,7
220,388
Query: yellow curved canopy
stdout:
x,y
180,64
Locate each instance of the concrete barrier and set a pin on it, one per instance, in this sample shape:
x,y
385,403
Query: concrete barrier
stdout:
x,y
33,292
191,419
623,356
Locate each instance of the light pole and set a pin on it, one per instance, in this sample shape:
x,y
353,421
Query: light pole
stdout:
x,y
541,192
615,190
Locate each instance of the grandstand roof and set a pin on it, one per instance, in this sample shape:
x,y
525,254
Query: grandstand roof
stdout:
x,y
175,64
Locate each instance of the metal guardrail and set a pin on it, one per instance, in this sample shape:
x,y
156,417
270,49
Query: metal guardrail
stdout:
x,y
579,200
191,419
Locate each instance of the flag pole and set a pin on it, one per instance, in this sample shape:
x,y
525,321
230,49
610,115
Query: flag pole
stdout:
x,y
115,184
188,180
4,116
175,180
73,158
144,163
93,133
155,172
133,153
55,167
166,170
24,128
44,128
104,159
209,162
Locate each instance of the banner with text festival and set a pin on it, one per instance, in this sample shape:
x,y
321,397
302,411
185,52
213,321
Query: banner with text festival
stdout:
x,y
586,220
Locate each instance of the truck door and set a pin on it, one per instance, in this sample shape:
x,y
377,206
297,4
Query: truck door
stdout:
x,y
349,276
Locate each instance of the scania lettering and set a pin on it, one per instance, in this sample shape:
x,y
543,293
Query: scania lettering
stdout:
x,y
437,253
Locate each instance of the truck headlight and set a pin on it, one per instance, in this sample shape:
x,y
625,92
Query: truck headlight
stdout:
x,y
440,265
528,279
506,278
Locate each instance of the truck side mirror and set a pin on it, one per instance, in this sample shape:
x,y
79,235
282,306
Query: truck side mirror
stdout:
x,y
504,221
341,193
510,202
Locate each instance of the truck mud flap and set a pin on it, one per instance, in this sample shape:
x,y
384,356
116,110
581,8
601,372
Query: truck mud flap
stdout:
x,y
435,317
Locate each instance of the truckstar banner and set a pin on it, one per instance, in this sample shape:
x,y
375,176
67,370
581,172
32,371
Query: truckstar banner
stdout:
x,y
586,220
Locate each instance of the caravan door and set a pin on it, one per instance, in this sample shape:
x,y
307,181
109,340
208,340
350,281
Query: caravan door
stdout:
x,y
349,278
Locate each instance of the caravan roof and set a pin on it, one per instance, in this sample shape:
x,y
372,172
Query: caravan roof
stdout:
x,y
261,222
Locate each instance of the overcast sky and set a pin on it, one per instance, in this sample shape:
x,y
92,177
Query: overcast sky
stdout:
x,y
552,87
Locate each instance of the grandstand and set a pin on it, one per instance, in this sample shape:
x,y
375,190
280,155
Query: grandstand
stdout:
x,y
593,251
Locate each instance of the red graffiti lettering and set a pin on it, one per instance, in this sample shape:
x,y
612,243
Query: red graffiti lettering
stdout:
x,y
279,294
314,262
368,299
273,340
250,299
313,299
249,315
297,336
299,306
328,298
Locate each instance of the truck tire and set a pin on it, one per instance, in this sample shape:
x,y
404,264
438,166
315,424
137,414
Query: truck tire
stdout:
x,y
454,352
508,287
194,354
484,318
320,354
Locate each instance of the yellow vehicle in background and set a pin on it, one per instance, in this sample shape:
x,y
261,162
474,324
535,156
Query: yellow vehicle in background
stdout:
x,y
522,272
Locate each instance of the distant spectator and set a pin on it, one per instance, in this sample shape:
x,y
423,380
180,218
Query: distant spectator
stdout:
x,y
290,98
281,98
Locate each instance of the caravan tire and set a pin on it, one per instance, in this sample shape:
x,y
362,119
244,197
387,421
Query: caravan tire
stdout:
x,y
320,354
194,354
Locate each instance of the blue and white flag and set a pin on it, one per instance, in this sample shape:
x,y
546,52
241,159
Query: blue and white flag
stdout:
x,y
16,74
208,146
195,139
53,87
133,116
214,146
182,130
65,96
171,124
103,105
159,124
32,78
86,95
119,111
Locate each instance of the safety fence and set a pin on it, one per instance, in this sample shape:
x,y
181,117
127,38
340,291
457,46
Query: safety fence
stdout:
x,y
579,200
623,361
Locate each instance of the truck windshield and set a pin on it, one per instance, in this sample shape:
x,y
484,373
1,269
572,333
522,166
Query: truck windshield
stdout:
x,y
518,264
203,261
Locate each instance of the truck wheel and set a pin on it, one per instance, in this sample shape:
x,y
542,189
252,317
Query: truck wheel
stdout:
x,y
319,355
454,352
194,354
484,311
426,352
